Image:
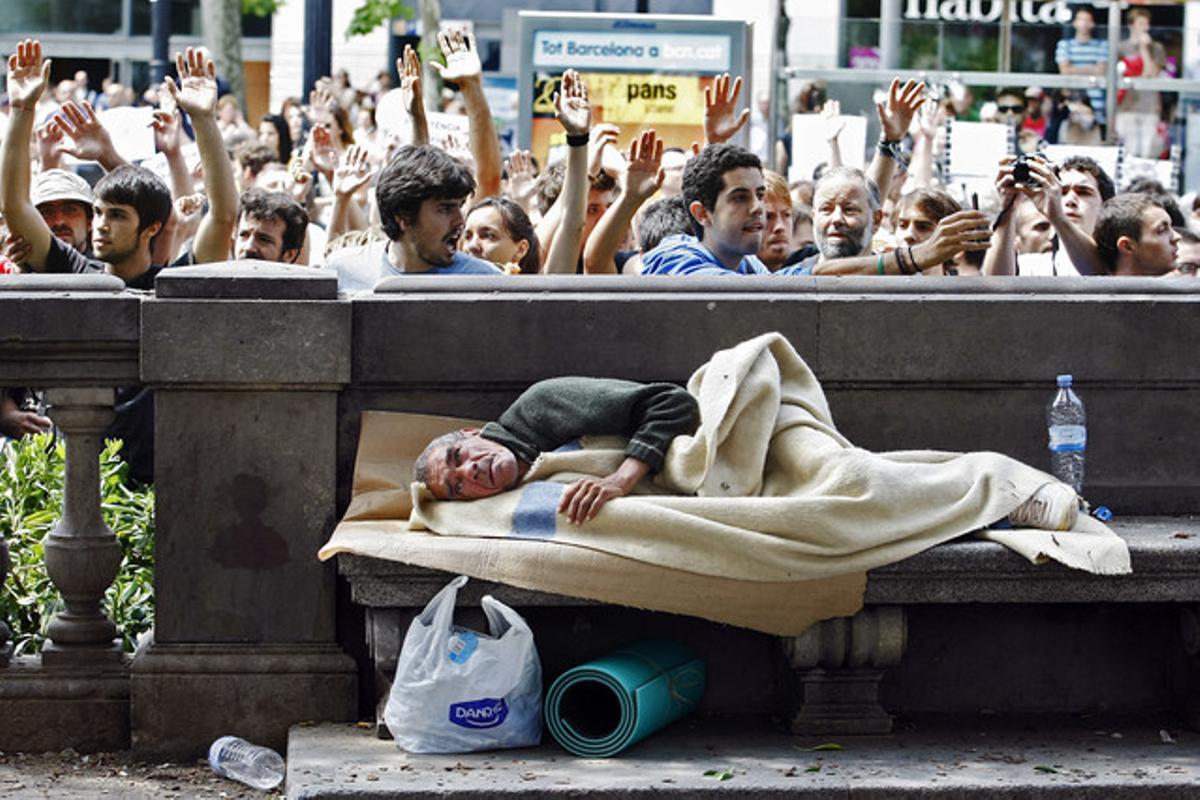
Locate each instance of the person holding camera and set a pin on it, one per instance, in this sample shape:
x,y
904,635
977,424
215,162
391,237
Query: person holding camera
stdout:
x,y
1069,196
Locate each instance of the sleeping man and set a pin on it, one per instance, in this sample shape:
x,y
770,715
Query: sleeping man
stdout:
x,y
472,463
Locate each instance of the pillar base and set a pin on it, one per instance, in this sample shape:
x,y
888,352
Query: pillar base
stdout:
x,y
57,656
842,702
184,696
46,709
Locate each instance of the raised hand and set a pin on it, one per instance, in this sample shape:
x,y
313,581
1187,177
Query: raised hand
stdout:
x,y
721,120
167,128
603,135
323,153
50,145
831,115
896,113
17,248
91,139
196,92
571,104
353,172
930,120
409,69
189,207
462,58
1044,188
300,169
645,173
28,75
319,100
521,180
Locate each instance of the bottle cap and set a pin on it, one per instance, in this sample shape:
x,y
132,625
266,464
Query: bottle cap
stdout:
x,y
1064,380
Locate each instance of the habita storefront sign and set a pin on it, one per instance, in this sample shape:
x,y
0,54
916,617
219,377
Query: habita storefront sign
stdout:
x,y
1047,12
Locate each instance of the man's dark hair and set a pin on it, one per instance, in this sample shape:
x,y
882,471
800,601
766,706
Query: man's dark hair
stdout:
x,y
704,176
1188,235
662,218
418,173
421,465
254,157
1091,167
1121,216
1091,12
264,205
549,184
1150,186
519,226
280,125
138,187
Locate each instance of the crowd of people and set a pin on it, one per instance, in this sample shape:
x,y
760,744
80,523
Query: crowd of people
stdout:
x,y
310,187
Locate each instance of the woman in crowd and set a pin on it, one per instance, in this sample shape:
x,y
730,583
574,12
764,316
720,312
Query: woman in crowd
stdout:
x,y
499,231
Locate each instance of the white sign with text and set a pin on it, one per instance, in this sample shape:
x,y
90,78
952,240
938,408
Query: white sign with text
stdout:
x,y
694,52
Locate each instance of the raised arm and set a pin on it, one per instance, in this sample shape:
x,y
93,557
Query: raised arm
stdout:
x,y
831,115
895,116
575,113
601,136
409,69
464,68
1046,193
1001,257
351,175
721,118
642,180
27,79
196,94
168,140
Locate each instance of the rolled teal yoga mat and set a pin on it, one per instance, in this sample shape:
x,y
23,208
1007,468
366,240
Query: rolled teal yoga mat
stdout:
x,y
598,709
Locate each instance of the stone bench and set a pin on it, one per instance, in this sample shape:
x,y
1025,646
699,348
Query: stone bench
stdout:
x,y
841,663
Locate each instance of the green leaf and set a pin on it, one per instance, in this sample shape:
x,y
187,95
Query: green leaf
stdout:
x,y
261,8
812,769
1044,768
373,13
826,746
719,774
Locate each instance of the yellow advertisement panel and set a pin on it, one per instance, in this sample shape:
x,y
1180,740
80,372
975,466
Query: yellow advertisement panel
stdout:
x,y
671,104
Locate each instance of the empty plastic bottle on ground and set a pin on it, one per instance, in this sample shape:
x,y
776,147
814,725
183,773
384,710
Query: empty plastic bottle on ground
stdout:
x,y
260,767
1066,422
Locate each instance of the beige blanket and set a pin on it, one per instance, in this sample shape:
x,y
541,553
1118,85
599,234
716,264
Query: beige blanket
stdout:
x,y
766,502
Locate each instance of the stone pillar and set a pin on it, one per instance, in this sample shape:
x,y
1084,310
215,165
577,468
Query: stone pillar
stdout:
x,y
246,361
6,646
844,659
82,553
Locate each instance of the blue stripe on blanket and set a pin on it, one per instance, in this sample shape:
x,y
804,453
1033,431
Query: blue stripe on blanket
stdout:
x,y
569,447
534,516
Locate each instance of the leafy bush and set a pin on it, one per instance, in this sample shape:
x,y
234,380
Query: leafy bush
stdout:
x,y
31,490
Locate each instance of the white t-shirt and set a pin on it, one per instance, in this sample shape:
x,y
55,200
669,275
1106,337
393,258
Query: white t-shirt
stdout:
x,y
1055,262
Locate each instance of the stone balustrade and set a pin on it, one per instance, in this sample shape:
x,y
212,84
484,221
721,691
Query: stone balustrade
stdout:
x,y
261,372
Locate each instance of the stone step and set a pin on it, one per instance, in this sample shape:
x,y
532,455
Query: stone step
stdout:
x,y
1078,757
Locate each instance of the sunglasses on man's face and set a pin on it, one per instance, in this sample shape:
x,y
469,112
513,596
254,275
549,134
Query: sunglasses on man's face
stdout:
x,y
1010,109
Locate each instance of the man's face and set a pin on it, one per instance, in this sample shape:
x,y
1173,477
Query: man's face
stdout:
x,y
672,166
470,468
1156,251
262,239
777,235
735,223
1010,107
115,234
914,225
435,233
1083,23
1188,259
597,203
1035,234
1081,199
842,221
67,220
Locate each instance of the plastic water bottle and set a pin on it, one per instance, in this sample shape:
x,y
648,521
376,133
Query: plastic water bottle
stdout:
x,y
1066,422
260,767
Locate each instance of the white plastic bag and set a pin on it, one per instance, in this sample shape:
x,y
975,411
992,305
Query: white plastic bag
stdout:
x,y
457,690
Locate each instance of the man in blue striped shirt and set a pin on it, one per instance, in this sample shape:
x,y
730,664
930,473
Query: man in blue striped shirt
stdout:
x,y
1083,55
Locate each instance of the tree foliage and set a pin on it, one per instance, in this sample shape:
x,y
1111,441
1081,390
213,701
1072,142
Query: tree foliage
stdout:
x,y
31,494
373,13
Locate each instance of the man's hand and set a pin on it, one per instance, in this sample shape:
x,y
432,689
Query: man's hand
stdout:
x,y
167,138
324,153
196,92
16,248
645,173
91,139
831,116
462,58
320,100
721,120
50,145
961,231
353,172
1006,187
583,499
571,104
1044,189
15,423
896,114
28,75
409,69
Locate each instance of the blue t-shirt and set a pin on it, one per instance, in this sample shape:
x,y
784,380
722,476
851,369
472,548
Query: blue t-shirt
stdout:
x,y
684,255
362,268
